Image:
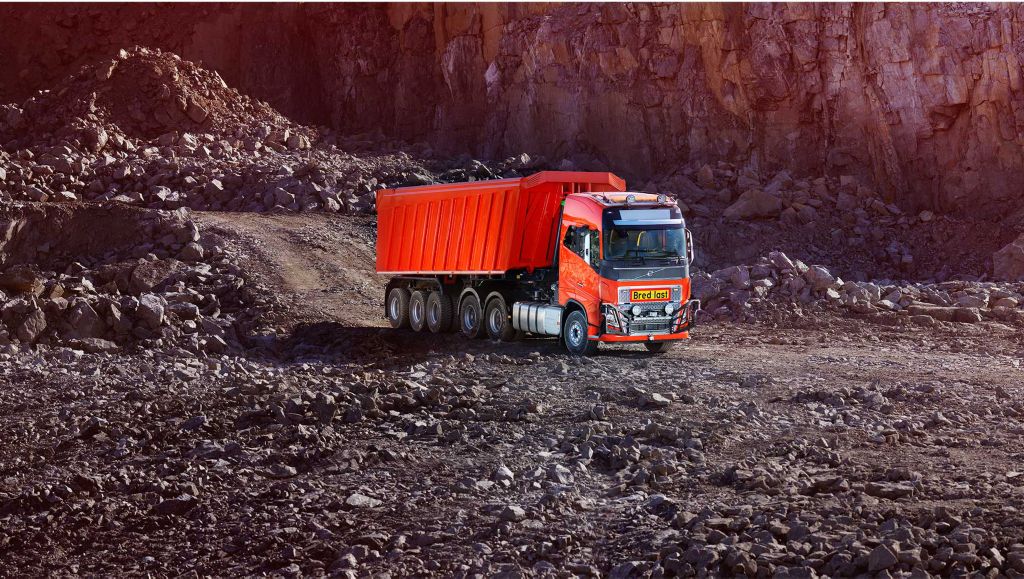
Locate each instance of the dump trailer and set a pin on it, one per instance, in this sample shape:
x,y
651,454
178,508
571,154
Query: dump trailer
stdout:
x,y
559,253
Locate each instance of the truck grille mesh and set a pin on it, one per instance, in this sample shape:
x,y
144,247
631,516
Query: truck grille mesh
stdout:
x,y
647,324
654,326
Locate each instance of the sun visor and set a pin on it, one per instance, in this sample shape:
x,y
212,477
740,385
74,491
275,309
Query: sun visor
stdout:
x,y
647,217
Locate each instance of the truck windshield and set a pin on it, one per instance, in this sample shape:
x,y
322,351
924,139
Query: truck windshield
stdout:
x,y
645,242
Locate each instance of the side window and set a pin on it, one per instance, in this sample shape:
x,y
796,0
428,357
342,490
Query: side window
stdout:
x,y
584,242
570,241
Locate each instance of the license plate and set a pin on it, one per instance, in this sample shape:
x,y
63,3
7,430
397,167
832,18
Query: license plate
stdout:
x,y
649,295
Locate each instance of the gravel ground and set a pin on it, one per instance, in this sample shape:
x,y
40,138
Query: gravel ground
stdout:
x,y
835,446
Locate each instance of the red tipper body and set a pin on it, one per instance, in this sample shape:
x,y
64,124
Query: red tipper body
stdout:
x,y
482,227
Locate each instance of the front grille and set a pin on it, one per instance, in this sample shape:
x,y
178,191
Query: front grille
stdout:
x,y
651,320
650,327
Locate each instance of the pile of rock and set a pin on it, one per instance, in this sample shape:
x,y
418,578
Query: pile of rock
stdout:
x,y
777,279
150,129
168,289
792,200
142,94
738,213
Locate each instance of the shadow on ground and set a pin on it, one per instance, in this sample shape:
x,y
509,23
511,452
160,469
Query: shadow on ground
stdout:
x,y
377,347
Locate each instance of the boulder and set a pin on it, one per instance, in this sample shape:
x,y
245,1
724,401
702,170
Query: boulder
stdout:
x,y
32,325
705,288
706,177
298,142
780,260
36,194
739,276
1008,262
282,197
184,311
819,278
214,190
1006,302
806,213
191,252
941,313
197,112
846,202
682,187
754,203
149,275
972,301
967,315
745,181
21,280
95,345
882,557
84,322
151,310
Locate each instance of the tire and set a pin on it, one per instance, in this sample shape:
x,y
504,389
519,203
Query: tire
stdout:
x,y
574,335
497,322
659,347
471,319
439,312
397,309
418,310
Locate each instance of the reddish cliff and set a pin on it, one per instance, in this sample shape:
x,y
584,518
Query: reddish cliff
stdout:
x,y
924,100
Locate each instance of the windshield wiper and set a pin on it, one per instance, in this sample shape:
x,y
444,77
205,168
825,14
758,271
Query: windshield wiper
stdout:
x,y
632,258
639,254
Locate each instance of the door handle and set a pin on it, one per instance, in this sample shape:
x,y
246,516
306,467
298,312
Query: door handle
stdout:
x,y
579,283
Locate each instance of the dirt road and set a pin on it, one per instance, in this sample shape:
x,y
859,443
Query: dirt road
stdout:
x,y
828,446
320,266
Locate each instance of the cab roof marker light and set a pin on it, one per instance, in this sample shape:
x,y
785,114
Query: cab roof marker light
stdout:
x,y
630,199
662,198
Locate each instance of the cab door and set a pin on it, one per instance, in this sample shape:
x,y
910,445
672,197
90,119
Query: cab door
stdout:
x,y
578,262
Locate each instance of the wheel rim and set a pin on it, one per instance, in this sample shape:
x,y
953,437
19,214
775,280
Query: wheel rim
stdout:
x,y
469,317
393,308
417,311
432,314
496,322
575,334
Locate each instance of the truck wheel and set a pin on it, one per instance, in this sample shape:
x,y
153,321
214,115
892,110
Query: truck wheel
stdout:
x,y
499,326
398,307
659,347
574,335
439,312
471,318
418,310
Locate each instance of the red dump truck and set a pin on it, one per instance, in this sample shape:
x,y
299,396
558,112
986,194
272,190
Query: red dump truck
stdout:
x,y
566,254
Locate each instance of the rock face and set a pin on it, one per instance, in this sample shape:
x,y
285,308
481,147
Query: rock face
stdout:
x,y
920,99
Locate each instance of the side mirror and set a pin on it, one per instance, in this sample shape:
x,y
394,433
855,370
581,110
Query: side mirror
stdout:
x,y
689,247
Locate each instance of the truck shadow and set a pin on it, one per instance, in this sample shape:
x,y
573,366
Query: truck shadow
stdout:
x,y
384,347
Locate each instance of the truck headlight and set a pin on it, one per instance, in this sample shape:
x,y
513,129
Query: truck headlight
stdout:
x,y
669,308
636,310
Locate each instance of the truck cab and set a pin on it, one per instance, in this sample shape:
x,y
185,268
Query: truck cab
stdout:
x,y
623,262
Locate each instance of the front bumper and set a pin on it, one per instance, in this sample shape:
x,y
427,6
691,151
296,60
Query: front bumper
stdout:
x,y
622,327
